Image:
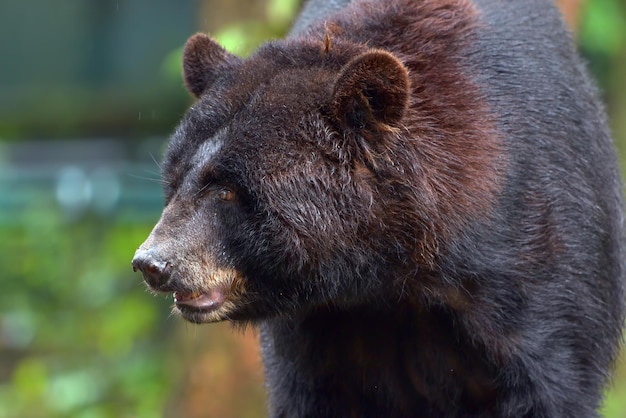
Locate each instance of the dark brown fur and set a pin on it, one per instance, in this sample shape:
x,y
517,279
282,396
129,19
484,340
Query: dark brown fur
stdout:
x,y
449,124
416,200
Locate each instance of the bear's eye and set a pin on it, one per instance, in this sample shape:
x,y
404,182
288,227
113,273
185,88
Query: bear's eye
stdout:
x,y
226,195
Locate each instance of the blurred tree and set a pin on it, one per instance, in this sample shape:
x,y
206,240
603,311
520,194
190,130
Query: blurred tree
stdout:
x,y
221,373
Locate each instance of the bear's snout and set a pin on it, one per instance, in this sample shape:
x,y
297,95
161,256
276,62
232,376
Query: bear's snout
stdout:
x,y
156,272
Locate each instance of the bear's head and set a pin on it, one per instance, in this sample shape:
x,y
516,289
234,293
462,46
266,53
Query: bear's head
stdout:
x,y
288,183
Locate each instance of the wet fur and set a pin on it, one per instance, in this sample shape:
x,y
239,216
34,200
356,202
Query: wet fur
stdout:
x,y
428,218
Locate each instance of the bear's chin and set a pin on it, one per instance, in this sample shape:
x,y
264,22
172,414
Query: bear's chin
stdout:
x,y
202,316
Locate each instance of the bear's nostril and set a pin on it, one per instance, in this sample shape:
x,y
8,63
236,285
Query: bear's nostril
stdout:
x,y
155,271
152,269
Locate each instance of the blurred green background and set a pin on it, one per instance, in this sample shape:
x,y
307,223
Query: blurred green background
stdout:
x,y
89,91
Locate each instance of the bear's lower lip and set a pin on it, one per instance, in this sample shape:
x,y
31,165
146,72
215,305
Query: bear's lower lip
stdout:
x,y
200,301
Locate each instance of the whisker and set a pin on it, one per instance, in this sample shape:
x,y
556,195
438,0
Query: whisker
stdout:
x,y
156,161
157,179
202,189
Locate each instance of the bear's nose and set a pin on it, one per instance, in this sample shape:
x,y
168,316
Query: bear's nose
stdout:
x,y
156,272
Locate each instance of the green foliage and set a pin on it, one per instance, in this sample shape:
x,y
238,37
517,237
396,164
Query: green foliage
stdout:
x,y
243,37
80,337
603,27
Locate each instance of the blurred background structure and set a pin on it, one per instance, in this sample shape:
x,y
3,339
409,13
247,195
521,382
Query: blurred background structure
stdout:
x,y
89,92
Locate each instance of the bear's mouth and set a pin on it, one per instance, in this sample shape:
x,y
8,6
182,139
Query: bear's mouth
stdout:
x,y
205,302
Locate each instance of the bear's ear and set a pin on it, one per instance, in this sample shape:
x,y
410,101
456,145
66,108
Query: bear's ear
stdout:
x,y
203,61
372,88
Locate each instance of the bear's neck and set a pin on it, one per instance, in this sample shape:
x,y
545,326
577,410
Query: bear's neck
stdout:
x,y
402,360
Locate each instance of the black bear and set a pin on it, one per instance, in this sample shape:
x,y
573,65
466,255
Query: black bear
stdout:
x,y
418,203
